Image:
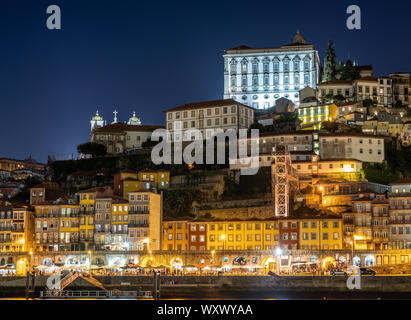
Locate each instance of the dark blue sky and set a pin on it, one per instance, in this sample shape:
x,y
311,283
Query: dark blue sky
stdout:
x,y
150,56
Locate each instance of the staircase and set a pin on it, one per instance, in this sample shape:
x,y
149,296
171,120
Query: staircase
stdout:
x,y
69,278
94,282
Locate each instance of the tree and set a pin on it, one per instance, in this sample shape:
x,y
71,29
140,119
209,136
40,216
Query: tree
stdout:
x,y
369,103
92,148
331,127
339,98
330,63
349,71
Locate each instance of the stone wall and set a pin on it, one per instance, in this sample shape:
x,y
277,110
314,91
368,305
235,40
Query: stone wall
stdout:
x,y
259,212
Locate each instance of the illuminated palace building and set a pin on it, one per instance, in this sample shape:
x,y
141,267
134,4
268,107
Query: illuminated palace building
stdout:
x,y
259,77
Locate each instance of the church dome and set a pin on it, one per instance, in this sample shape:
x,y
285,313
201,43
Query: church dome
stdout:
x,y
97,117
298,38
134,120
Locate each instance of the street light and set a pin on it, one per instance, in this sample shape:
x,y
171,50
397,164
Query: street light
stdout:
x,y
223,238
89,262
278,253
31,260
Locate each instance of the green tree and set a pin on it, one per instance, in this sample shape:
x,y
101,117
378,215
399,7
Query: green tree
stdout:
x,y
330,63
349,71
92,148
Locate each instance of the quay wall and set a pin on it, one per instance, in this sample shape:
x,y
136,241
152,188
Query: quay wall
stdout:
x,y
298,284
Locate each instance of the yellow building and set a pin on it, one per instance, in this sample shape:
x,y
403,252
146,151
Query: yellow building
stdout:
x,y
154,179
321,234
87,214
119,225
242,235
175,235
145,220
69,227
312,117
128,181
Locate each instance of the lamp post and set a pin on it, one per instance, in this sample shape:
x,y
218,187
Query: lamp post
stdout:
x,y
89,262
31,260
352,252
223,238
278,253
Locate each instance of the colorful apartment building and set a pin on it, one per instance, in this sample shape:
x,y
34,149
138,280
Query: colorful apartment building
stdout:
x,y
289,234
242,235
128,181
197,236
145,220
321,234
175,235
119,225
313,117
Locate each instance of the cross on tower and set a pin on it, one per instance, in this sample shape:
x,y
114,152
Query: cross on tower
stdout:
x,y
115,116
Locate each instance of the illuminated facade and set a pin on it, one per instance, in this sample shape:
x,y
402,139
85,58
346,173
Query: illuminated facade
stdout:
x,y
175,235
206,116
128,181
352,146
119,225
259,77
145,220
321,234
313,117
242,235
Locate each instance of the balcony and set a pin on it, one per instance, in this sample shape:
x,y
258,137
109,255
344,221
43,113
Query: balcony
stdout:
x,y
8,228
139,212
138,225
90,212
395,221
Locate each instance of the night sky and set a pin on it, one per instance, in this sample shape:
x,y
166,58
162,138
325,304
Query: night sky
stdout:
x,y
148,57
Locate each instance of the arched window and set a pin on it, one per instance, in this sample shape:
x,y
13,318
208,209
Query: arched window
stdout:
x,y
286,64
233,66
307,63
296,64
276,64
296,79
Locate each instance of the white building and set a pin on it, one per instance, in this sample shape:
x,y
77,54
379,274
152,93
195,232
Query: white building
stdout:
x,y
259,77
335,88
119,137
208,115
352,146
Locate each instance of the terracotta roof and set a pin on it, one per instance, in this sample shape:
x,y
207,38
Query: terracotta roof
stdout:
x,y
121,127
367,67
342,134
127,171
403,181
336,82
367,79
207,104
47,185
244,48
